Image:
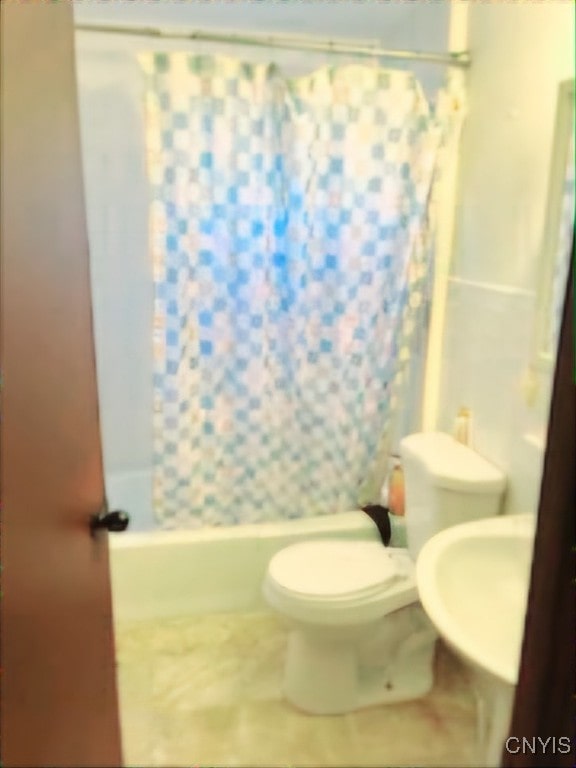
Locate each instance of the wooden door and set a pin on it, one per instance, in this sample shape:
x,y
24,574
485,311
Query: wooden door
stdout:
x,y
58,698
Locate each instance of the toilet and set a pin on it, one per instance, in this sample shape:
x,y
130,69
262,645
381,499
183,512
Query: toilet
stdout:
x,y
358,635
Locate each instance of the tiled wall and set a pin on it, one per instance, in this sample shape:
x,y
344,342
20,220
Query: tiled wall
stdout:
x,y
521,52
487,344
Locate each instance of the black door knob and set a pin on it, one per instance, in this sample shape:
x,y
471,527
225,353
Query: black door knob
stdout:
x,y
114,522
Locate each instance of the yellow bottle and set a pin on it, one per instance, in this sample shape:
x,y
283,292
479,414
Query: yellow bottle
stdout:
x,y
463,427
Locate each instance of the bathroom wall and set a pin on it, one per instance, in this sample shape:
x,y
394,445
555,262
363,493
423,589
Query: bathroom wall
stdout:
x,y
110,94
521,52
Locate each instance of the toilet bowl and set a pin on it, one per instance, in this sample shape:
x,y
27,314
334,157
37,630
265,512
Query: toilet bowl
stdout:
x,y
358,635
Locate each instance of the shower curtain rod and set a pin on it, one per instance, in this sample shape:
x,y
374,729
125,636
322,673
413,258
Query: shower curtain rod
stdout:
x,y
459,59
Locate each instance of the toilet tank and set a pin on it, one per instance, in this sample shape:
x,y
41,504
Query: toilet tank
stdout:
x,y
446,483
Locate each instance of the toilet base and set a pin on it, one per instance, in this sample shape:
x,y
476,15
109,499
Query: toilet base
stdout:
x,y
328,676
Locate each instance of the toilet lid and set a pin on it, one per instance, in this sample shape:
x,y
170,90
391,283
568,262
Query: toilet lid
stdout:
x,y
333,568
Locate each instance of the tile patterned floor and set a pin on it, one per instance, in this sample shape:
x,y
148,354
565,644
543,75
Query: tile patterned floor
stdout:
x,y
205,691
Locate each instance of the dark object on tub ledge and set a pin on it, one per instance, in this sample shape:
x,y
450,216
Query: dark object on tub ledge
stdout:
x,y
379,515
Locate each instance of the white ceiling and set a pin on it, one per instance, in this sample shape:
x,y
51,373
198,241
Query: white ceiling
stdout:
x,y
398,24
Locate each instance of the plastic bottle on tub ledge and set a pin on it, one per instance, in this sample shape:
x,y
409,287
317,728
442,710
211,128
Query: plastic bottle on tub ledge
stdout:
x,y
396,504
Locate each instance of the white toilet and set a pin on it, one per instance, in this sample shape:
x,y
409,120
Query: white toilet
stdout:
x,y
358,633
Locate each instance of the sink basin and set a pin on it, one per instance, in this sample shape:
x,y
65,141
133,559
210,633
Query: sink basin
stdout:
x,y
473,582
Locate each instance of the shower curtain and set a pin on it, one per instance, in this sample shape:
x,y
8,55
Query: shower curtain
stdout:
x,y
291,249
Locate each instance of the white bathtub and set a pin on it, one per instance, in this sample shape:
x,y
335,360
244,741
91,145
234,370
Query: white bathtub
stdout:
x,y
160,574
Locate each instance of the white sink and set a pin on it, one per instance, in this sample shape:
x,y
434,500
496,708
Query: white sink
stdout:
x,y
473,582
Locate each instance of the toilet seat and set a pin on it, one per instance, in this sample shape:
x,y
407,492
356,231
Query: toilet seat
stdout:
x,y
337,582
332,569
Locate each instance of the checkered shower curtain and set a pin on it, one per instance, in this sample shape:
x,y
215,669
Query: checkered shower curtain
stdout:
x,y
289,230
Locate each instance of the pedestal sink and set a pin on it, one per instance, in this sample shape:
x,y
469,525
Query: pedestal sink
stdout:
x,y
473,582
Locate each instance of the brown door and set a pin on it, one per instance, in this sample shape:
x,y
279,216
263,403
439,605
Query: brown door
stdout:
x,y
59,700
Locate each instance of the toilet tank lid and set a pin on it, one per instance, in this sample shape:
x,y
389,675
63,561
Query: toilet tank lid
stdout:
x,y
451,464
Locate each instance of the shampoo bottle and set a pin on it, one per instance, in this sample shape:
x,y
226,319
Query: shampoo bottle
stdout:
x,y
463,427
